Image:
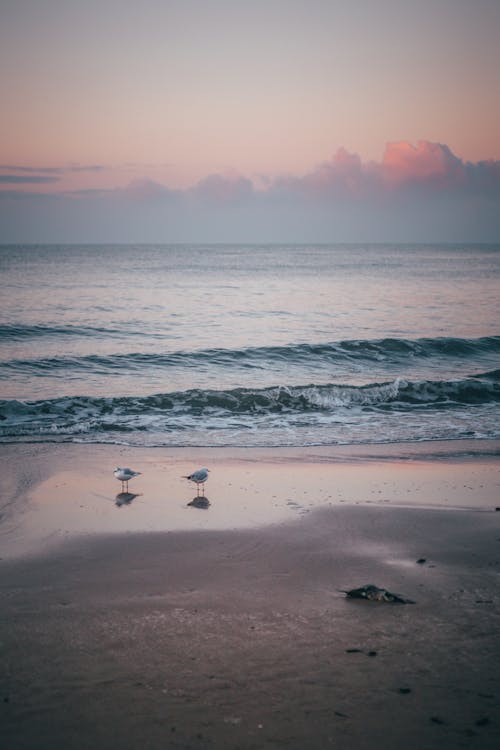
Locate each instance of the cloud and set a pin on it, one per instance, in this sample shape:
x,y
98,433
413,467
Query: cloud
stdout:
x,y
220,188
146,190
426,162
343,175
404,166
54,170
12,179
483,177
416,193
28,175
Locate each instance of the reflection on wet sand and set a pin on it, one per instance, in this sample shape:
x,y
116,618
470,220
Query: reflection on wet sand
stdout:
x,y
200,501
125,498
71,492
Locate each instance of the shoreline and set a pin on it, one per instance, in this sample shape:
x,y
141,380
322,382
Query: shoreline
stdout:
x,y
54,492
398,449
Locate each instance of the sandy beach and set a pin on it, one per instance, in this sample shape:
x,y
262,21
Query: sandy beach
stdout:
x,y
149,623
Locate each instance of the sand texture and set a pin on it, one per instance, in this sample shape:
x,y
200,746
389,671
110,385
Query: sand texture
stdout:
x,y
240,637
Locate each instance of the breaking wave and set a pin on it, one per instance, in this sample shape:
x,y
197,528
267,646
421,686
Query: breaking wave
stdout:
x,y
240,408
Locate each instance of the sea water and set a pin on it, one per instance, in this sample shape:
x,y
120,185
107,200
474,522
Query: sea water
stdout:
x,y
249,345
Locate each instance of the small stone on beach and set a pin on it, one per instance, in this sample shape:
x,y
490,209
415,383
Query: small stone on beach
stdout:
x,y
375,594
483,721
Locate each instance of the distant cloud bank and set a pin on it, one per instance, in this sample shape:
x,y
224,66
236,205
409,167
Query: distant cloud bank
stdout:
x,y
416,193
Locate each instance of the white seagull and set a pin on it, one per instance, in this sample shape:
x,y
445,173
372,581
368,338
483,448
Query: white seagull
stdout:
x,y
124,474
198,477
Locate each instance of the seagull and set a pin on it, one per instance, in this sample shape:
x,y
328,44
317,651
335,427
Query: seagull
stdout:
x,y
199,477
124,474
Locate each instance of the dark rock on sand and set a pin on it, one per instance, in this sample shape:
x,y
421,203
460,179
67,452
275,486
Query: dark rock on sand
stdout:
x,y
483,721
375,594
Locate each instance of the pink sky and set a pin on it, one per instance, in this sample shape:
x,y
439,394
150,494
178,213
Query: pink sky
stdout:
x,y
106,94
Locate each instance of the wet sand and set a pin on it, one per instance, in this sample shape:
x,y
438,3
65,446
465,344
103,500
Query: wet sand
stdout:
x,y
156,625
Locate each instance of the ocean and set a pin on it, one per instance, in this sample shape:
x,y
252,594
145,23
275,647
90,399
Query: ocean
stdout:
x,y
249,345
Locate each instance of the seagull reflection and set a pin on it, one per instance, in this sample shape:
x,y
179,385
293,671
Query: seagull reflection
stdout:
x,y
200,501
124,498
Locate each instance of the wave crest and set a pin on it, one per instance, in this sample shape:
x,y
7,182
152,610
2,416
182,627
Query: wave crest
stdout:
x,y
390,352
181,410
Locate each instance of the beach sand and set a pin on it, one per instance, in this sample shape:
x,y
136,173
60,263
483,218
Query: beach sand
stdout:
x,y
151,624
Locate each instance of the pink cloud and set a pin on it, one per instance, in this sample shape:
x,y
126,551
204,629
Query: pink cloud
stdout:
x,y
420,192
425,162
405,166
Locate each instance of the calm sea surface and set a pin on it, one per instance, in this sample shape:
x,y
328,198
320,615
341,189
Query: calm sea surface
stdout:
x,y
249,345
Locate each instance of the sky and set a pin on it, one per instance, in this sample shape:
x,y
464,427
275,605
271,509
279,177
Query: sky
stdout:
x,y
231,121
